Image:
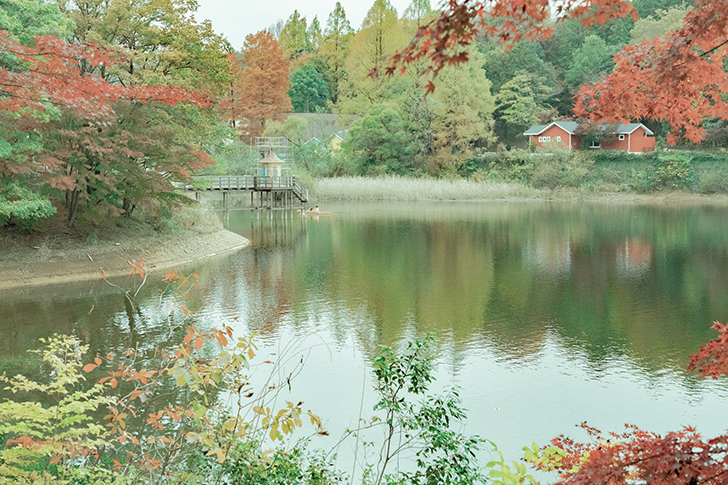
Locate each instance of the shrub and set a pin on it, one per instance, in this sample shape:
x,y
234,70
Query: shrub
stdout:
x,y
713,180
560,169
23,207
668,172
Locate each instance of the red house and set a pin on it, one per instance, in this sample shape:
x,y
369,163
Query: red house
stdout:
x,y
632,137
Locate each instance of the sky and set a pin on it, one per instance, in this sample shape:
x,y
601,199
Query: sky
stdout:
x,y
235,19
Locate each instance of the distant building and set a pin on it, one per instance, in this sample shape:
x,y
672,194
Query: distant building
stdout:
x,y
632,137
334,141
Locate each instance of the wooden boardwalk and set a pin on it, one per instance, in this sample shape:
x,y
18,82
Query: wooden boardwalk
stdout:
x,y
284,192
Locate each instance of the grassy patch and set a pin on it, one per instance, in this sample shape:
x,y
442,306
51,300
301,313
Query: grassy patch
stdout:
x,y
402,188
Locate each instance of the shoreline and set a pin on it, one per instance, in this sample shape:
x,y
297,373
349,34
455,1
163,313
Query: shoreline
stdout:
x,y
40,267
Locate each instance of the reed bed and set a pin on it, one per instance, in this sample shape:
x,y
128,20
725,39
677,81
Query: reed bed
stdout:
x,y
402,188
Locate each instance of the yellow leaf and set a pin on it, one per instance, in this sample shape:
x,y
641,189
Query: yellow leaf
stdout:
x,y
220,454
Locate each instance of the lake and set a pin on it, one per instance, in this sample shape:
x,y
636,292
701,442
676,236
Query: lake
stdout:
x,y
546,314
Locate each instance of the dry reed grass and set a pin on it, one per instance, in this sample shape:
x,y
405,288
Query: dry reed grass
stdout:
x,y
401,188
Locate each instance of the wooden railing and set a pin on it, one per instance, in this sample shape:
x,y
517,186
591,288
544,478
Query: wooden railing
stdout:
x,y
249,182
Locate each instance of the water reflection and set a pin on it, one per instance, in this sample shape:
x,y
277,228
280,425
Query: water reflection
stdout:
x,y
547,314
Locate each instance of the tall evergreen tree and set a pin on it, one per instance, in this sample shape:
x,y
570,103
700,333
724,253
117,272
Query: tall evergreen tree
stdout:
x,y
380,36
314,35
335,49
294,36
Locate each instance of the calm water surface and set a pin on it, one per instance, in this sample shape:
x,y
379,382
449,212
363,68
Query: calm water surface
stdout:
x,y
546,314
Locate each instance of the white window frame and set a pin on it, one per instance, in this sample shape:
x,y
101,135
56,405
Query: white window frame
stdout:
x,y
540,139
546,138
558,138
595,144
621,137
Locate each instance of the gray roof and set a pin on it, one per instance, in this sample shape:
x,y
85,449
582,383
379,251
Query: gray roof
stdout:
x,y
630,127
570,127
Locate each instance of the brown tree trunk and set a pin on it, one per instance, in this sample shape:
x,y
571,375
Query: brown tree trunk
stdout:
x,y
72,198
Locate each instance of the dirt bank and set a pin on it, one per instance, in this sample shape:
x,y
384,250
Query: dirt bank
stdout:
x,y
40,263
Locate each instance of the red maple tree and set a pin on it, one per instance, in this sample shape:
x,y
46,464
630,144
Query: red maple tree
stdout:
x,y
444,40
56,88
50,73
679,78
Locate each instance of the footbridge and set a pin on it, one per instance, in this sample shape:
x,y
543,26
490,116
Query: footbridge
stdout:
x,y
266,191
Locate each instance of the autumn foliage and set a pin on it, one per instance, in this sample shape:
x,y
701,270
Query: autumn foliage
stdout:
x,y
259,91
679,78
50,73
637,456
90,143
444,41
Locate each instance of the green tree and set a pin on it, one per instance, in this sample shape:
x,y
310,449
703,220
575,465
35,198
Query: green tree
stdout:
x,y
294,39
62,430
443,456
591,62
419,12
380,141
308,89
502,64
335,49
314,35
462,116
381,35
659,24
647,8
164,43
25,19
521,101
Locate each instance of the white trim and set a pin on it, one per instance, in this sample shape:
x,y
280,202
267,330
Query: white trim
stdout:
x,y
621,137
549,126
647,130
